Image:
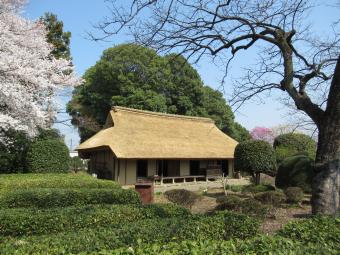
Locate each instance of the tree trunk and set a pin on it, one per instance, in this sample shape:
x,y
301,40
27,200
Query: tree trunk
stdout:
x,y
326,181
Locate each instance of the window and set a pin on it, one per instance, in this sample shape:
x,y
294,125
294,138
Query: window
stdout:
x,y
142,168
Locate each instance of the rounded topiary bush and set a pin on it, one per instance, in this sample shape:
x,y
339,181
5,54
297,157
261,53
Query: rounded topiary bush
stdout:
x,y
48,156
181,197
296,171
291,144
274,198
255,157
294,194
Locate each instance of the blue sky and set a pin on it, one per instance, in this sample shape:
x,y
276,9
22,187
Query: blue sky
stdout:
x,y
79,16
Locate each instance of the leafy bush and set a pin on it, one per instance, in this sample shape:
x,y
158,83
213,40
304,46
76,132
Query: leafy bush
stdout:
x,y
288,145
221,226
48,156
255,157
319,230
13,153
53,180
294,194
19,222
181,197
262,245
258,188
274,198
248,206
46,198
296,171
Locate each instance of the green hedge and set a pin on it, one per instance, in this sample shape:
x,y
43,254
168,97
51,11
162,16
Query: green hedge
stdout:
x,y
59,180
262,245
46,198
221,226
296,171
323,230
48,156
255,157
19,222
291,144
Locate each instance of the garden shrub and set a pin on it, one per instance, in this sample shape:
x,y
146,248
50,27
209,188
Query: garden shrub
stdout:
x,y
296,171
258,188
181,197
319,229
261,245
20,222
294,194
53,180
221,226
274,198
46,198
248,206
255,157
291,144
48,156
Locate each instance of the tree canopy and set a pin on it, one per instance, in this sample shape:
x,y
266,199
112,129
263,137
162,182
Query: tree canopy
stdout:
x,y
134,76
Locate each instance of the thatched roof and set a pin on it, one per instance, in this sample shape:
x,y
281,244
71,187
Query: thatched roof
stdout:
x,y
131,133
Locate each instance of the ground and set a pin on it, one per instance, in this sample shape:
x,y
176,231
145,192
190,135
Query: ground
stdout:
x,y
207,202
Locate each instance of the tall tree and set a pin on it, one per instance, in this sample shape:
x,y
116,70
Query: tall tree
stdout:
x,y
56,36
292,61
28,74
134,76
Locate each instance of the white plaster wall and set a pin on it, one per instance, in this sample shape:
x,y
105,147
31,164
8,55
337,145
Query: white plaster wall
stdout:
x,y
184,167
131,172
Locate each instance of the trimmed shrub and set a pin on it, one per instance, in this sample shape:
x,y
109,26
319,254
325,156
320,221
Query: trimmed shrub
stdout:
x,y
255,157
261,245
291,144
19,222
48,156
258,188
274,198
319,230
46,198
181,197
294,194
56,180
248,206
296,171
221,226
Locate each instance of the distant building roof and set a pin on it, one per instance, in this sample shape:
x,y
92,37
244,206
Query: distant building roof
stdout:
x,y
132,133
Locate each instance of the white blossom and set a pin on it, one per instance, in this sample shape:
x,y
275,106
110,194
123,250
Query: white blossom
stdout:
x,y
29,75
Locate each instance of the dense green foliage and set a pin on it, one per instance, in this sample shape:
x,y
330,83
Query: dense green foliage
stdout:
x,y
296,171
257,188
56,36
319,229
181,197
221,226
134,76
50,181
47,198
248,206
255,157
291,144
21,222
294,194
48,156
13,153
262,245
274,198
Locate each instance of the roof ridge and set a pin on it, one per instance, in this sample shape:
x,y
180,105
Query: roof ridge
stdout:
x,y
161,114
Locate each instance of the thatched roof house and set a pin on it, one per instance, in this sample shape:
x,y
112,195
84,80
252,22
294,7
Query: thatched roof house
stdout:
x,y
136,143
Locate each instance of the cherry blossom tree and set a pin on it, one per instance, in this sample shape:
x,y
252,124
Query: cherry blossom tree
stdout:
x,y
29,75
262,133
